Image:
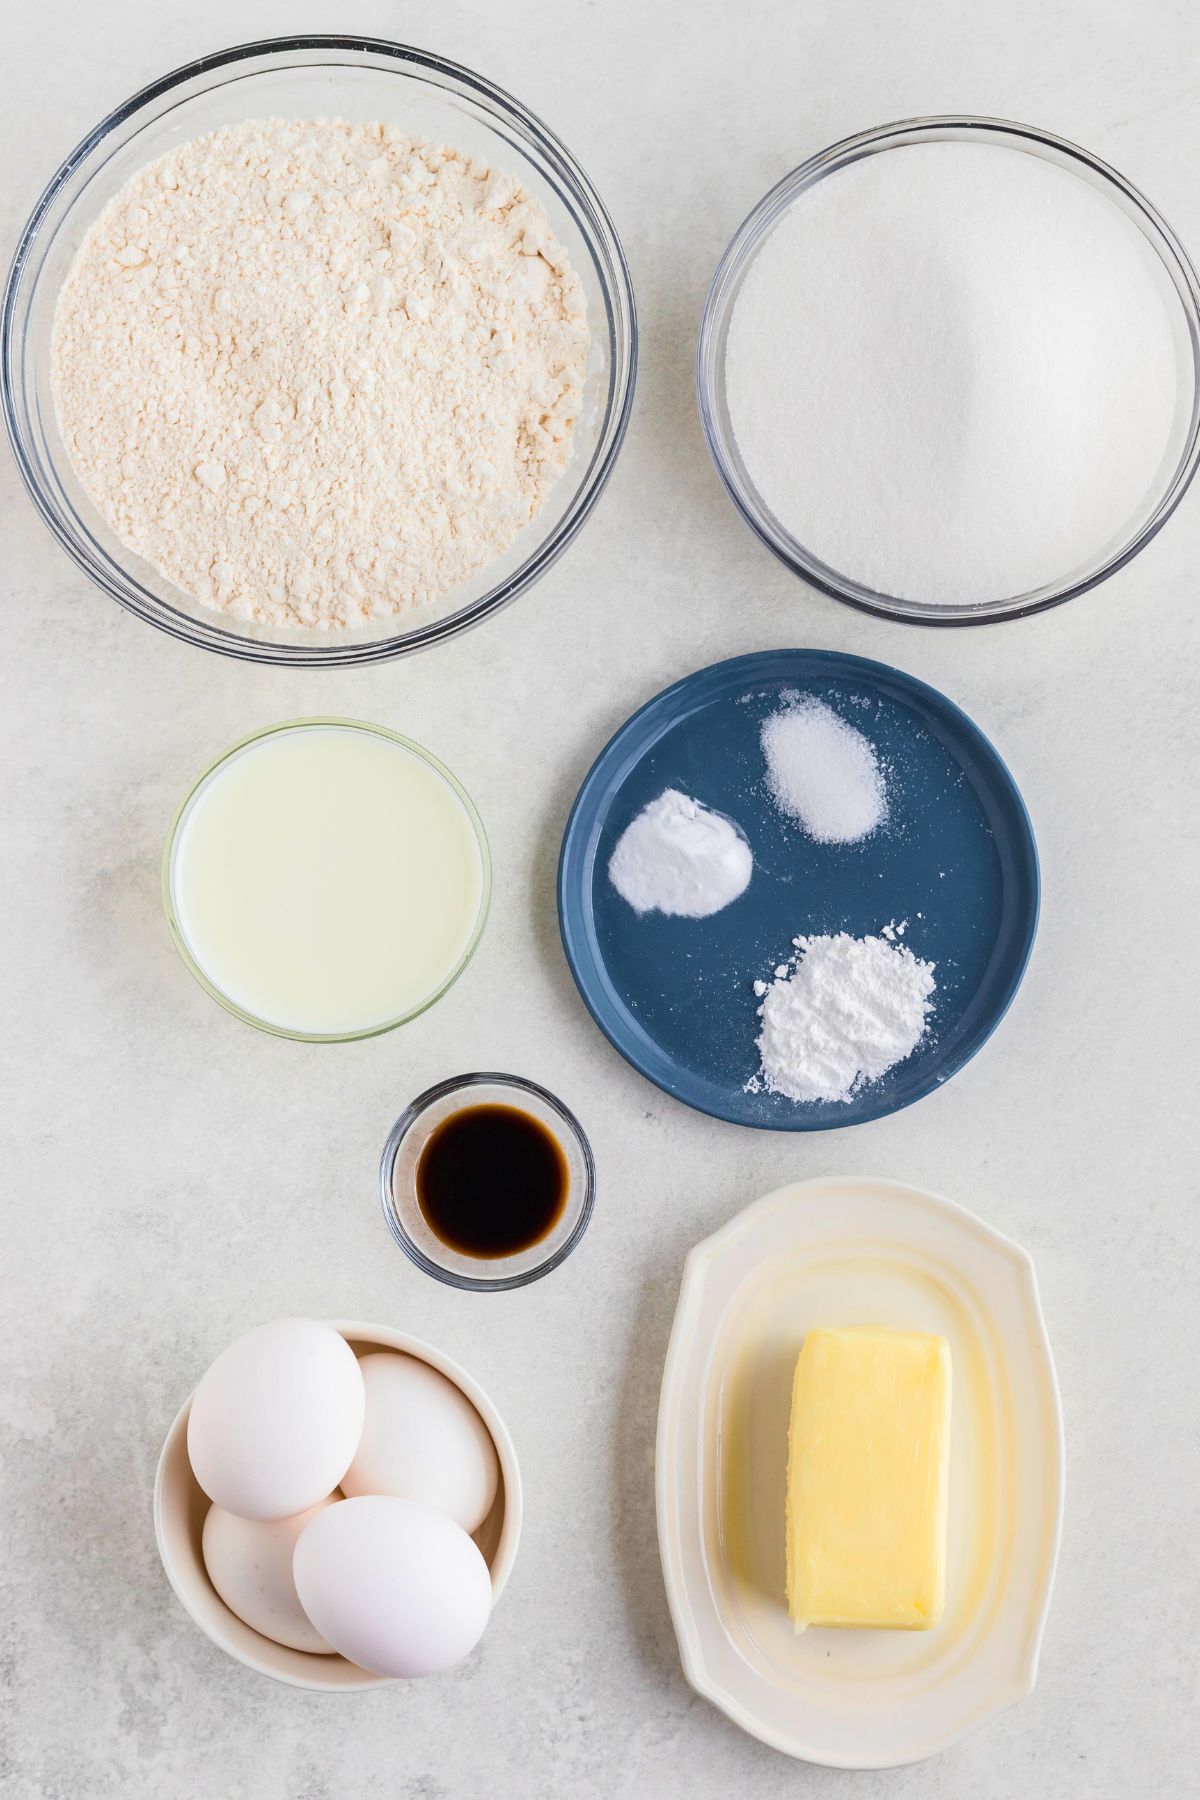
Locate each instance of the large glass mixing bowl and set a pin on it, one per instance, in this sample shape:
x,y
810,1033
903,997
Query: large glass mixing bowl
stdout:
x,y
359,79
1181,294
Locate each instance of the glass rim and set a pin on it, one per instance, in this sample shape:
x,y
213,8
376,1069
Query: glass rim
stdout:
x,y
748,239
414,1111
574,188
175,926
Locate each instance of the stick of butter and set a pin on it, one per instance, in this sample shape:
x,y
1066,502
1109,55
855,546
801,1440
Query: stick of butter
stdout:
x,y
868,1467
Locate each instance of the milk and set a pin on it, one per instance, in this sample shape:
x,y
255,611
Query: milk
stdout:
x,y
327,880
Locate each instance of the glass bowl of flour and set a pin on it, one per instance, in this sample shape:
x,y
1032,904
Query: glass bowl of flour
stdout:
x,y
317,351
948,371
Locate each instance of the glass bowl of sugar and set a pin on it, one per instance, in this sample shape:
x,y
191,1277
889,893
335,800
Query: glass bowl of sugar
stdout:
x,y
948,371
434,254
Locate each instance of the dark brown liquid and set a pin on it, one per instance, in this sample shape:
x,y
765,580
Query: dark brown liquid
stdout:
x,y
492,1181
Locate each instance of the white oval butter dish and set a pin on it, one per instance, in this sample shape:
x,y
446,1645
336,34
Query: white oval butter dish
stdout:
x,y
854,1251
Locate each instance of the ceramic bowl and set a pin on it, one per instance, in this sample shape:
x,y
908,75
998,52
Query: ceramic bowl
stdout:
x,y
180,1506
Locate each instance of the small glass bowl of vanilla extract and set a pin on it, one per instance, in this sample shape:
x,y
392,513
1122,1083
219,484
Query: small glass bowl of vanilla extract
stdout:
x,y
487,1181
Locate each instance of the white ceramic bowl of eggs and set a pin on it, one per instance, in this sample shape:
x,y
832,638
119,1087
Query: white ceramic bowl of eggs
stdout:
x,y
338,1505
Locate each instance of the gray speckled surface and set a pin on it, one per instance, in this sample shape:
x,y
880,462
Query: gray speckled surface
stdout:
x,y
170,1177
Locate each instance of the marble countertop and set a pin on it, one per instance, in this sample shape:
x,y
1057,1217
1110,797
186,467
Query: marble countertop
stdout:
x,y
170,1177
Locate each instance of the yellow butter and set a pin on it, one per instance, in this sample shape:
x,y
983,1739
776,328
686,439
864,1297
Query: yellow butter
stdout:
x,y
868,1467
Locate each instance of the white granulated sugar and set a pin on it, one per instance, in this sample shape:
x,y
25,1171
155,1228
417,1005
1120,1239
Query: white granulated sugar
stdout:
x,y
952,372
678,857
823,772
319,372
850,1010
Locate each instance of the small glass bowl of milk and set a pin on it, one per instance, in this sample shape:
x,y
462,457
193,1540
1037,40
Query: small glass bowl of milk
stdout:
x,y
326,879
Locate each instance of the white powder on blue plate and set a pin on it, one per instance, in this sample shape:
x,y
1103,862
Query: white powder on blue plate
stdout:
x,y
823,772
846,1012
677,857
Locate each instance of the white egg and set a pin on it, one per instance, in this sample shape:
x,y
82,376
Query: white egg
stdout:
x,y
423,1440
276,1420
249,1562
397,1588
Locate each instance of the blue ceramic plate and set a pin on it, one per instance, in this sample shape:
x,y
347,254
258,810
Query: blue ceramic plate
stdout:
x,y
955,858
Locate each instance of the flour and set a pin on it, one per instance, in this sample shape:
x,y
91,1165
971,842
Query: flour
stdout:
x,y
848,1011
823,773
319,372
952,372
678,857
